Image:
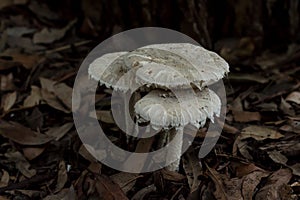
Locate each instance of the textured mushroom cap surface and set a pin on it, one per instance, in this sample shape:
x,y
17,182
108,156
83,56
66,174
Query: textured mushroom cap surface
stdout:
x,y
174,65
163,110
204,68
108,69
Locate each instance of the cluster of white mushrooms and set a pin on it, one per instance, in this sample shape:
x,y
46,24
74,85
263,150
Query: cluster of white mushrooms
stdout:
x,y
176,76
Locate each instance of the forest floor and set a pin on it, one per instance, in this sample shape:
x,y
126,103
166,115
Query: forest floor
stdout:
x,y
42,157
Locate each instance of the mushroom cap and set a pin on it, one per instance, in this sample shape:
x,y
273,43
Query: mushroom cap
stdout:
x,y
108,69
163,110
204,68
174,65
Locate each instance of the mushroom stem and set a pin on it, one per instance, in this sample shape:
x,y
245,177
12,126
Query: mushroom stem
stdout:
x,y
174,153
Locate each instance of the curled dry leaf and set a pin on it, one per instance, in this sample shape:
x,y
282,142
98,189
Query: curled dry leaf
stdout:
x,y
62,177
21,134
192,169
4,178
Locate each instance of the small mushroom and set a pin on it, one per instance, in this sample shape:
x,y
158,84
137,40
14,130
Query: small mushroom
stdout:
x,y
164,110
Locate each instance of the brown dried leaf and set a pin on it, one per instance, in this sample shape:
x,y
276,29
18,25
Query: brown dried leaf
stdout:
x,y
125,180
294,97
220,192
47,36
6,3
260,133
7,83
246,116
105,187
59,132
53,101
274,187
34,98
64,194
28,61
7,64
4,178
64,93
286,108
105,116
21,134
47,84
244,170
172,176
250,182
246,77
192,169
62,177
21,163
8,101
32,152
277,157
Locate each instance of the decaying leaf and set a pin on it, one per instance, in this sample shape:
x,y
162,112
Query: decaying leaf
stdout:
x,y
4,178
32,152
34,98
21,163
260,133
105,116
53,101
22,135
294,97
246,116
62,177
47,36
58,96
275,187
8,101
59,132
192,169
125,180
286,108
250,183
104,188
64,93
6,82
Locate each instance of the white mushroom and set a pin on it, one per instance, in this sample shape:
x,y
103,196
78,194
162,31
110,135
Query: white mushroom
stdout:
x,y
165,110
174,67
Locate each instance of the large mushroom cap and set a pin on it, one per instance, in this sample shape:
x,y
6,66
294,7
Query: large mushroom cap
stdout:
x,y
204,68
174,65
163,110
